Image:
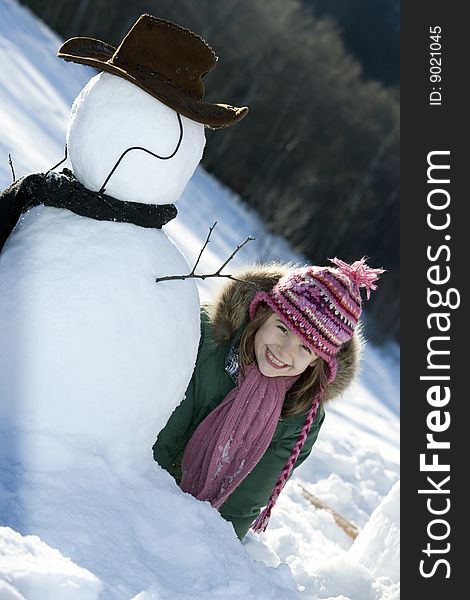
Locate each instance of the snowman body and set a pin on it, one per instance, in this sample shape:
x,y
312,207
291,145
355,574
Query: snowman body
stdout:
x,y
96,346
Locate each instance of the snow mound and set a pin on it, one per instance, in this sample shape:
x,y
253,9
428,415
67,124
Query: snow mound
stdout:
x,y
377,547
32,570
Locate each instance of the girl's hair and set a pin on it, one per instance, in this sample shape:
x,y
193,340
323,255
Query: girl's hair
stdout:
x,y
300,397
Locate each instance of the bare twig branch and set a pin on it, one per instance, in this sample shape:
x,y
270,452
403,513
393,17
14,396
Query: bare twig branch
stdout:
x,y
211,229
192,274
239,247
12,168
349,528
205,276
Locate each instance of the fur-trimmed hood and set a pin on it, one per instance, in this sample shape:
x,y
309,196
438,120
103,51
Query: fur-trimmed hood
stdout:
x,y
230,310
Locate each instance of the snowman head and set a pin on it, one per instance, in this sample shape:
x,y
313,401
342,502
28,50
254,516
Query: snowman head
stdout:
x,y
111,115
151,97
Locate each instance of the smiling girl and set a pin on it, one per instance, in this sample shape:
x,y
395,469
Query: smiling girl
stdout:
x,y
270,356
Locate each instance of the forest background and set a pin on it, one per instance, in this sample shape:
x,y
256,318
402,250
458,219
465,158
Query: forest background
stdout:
x,y
318,154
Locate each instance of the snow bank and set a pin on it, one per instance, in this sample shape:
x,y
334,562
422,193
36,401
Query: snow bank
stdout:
x,y
377,546
31,570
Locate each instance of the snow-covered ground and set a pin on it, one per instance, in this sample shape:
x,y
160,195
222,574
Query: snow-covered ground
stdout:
x,y
147,540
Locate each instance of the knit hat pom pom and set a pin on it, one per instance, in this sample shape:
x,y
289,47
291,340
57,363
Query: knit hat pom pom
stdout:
x,y
359,273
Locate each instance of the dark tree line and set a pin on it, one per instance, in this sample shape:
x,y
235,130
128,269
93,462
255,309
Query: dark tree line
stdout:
x,y
371,32
318,154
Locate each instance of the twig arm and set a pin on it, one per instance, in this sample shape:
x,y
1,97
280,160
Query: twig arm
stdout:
x,y
192,274
211,229
239,247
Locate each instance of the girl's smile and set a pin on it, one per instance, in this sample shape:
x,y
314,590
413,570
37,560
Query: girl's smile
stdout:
x,y
273,361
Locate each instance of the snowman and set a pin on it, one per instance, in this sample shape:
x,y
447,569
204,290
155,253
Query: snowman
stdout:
x,y
92,345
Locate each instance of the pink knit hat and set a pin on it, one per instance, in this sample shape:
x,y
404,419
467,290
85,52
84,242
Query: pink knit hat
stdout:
x,y
322,305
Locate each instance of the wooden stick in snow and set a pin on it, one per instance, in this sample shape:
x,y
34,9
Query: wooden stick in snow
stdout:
x,y
349,528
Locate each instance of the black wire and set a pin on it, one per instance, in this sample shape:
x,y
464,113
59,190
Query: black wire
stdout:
x,y
103,187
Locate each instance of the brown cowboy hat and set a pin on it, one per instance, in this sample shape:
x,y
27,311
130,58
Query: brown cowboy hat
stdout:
x,y
165,60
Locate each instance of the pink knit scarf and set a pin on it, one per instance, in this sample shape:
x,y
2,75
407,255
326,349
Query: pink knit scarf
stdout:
x,y
231,440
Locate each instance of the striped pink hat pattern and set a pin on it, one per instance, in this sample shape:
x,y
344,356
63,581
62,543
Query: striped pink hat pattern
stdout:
x,y
322,305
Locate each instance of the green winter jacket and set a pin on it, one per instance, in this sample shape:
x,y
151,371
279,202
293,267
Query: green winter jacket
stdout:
x,y
221,328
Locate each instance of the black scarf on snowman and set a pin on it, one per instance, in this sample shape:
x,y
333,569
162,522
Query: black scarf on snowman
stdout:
x,y
63,190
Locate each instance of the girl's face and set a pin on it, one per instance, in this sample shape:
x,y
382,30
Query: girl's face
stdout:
x,y
279,352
